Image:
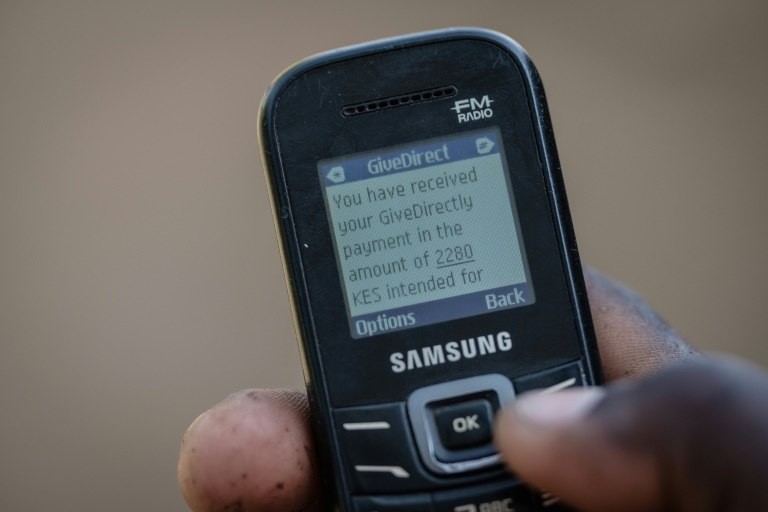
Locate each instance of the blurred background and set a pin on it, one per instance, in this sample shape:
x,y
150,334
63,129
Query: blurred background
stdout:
x,y
140,280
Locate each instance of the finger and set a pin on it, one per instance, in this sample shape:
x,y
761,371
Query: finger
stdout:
x,y
690,438
541,441
633,338
252,451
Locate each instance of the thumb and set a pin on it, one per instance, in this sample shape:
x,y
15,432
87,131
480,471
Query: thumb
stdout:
x,y
693,437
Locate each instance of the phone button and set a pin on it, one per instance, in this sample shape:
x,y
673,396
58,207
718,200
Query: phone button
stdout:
x,y
496,497
554,379
465,424
408,503
451,422
378,448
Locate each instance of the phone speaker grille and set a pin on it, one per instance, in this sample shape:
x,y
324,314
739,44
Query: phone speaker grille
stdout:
x,y
401,100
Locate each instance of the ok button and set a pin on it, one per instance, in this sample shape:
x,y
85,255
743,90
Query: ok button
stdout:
x,y
464,425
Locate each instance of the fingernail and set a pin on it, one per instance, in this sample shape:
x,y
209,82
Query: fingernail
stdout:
x,y
557,408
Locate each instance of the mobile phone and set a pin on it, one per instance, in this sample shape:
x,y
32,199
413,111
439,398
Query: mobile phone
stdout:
x,y
431,262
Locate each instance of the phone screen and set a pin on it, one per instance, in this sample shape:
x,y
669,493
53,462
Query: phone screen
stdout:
x,y
425,232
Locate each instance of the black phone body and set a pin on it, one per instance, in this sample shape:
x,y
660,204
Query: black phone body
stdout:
x,y
431,262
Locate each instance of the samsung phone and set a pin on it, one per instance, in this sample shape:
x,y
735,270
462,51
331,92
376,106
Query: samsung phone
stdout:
x,y
431,262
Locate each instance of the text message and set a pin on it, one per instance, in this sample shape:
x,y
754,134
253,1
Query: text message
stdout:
x,y
425,233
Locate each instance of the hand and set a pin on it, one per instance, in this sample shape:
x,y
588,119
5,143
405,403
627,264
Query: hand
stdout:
x,y
253,451
691,438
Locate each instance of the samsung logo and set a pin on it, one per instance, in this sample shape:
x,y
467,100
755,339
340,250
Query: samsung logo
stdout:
x,y
450,352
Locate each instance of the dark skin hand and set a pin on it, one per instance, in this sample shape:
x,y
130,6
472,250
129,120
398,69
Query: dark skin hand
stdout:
x,y
692,436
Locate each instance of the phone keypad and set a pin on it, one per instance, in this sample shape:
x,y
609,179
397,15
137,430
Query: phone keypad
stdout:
x,y
389,468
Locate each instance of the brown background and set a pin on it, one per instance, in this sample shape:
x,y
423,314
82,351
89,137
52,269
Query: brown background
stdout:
x,y
139,275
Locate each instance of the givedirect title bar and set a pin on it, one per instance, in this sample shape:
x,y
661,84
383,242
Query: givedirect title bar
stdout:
x,y
408,157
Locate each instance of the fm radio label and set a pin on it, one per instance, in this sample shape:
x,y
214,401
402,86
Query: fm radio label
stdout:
x,y
473,109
